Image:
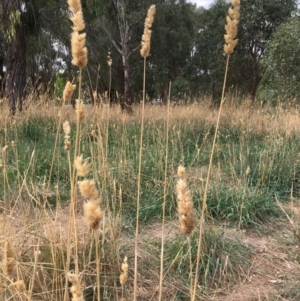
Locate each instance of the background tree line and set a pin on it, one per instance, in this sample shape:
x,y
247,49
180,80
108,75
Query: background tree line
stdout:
x,y
186,48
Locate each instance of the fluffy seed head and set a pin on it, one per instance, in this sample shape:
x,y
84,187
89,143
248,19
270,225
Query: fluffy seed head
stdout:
x,y
68,91
232,21
181,172
66,128
79,110
124,274
67,131
93,213
78,21
75,289
81,167
74,6
146,37
79,51
8,260
185,207
18,285
88,189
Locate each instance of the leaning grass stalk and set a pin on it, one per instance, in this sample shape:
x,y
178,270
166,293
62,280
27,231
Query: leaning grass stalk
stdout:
x,y
204,201
164,200
139,187
98,263
191,265
31,285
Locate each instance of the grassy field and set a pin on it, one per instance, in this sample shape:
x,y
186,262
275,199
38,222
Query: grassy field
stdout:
x,y
250,243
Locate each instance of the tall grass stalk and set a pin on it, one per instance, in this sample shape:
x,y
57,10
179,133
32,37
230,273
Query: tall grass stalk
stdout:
x,y
230,43
145,50
165,197
139,188
79,59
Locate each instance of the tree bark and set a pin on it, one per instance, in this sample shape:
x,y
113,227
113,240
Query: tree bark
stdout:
x,y
15,55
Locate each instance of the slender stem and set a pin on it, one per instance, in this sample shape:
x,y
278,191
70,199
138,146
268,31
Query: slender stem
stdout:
x,y
109,87
191,265
53,155
98,262
204,202
139,187
164,201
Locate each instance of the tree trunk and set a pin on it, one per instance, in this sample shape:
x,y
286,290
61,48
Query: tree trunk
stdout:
x,y
15,55
126,100
125,38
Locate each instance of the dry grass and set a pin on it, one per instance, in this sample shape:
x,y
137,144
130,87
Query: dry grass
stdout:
x,y
33,229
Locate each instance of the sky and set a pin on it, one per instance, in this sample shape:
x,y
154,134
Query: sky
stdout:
x,y
204,3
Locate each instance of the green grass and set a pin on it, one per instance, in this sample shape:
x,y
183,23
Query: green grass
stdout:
x,y
246,199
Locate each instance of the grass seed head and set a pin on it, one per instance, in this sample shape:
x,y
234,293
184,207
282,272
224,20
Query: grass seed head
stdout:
x,y
75,289
93,213
124,274
146,37
9,262
79,110
88,189
181,172
81,167
78,21
232,21
68,91
79,51
185,206
74,6
18,285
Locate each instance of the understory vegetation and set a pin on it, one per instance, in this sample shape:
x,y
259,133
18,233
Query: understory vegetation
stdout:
x,y
256,162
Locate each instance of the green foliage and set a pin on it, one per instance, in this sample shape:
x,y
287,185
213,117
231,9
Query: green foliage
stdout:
x,y
258,21
59,85
281,77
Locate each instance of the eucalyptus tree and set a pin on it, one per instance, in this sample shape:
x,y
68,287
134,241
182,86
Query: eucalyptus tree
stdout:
x,y
172,46
121,23
281,63
258,22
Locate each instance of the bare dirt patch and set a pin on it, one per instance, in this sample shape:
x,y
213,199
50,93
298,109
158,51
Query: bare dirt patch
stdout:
x,y
274,271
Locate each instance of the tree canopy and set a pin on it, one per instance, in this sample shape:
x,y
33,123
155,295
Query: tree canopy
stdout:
x,y
186,46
